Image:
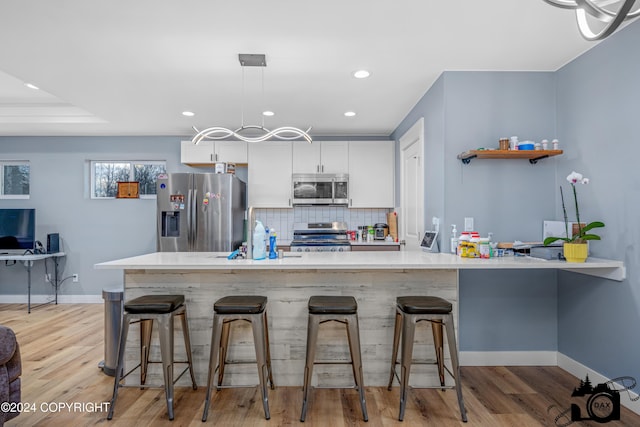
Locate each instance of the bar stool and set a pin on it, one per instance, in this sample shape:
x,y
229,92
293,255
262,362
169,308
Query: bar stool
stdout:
x,y
409,311
250,308
342,309
144,310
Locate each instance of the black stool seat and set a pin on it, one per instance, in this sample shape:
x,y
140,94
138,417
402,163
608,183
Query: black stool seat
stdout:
x,y
424,305
240,304
154,304
332,305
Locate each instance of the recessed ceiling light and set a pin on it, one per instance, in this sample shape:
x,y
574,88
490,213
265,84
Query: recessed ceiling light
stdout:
x,y
361,74
188,113
350,113
32,86
268,113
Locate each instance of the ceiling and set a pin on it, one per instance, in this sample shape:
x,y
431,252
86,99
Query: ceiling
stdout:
x,y
125,67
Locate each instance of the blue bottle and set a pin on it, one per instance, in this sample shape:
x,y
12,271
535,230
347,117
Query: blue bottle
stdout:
x,y
273,251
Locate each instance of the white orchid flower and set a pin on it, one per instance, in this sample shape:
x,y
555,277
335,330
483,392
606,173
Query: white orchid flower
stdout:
x,y
577,178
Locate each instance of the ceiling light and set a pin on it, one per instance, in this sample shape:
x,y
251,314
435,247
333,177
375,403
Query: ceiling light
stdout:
x,y
350,113
286,133
268,113
32,86
361,74
598,9
188,113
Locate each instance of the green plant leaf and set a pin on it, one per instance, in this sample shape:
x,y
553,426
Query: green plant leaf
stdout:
x,y
590,237
591,225
550,240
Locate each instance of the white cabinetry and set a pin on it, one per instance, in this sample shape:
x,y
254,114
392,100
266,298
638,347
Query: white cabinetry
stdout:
x,y
209,152
371,174
321,157
270,174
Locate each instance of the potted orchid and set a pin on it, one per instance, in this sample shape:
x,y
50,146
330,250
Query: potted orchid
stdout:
x,y
575,246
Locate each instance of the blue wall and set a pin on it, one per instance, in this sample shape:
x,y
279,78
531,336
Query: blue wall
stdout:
x,y
93,231
598,111
592,106
468,110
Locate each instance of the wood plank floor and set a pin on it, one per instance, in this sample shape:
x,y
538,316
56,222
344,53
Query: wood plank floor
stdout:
x,y
62,345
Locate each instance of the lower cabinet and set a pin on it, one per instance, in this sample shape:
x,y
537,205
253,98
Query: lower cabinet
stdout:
x,y
374,247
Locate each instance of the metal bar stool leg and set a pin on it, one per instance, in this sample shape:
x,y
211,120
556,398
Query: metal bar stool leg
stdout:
x,y
312,336
266,336
187,345
408,334
165,330
353,333
453,352
124,331
396,341
146,328
260,344
216,334
436,328
224,346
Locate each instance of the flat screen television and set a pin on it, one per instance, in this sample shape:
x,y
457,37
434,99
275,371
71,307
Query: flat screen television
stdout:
x,y
17,230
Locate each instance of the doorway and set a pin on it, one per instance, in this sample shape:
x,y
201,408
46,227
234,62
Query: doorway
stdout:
x,y
412,185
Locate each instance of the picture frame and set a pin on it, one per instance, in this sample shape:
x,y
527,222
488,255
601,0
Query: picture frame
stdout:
x,y
128,190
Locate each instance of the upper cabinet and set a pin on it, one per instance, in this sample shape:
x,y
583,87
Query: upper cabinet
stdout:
x,y
269,174
372,174
208,152
321,157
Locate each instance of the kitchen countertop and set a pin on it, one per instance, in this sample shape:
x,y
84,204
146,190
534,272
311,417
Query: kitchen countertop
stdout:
x,y
403,260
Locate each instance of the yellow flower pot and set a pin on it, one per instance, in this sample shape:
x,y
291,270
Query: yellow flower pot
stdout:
x,y
576,252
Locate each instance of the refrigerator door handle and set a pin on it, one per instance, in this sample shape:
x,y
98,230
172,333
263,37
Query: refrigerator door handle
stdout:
x,y
194,220
189,215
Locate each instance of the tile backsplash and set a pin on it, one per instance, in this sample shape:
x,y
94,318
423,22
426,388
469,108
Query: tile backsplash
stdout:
x,y
283,219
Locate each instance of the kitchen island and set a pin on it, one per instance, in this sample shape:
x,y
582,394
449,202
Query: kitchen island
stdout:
x,y
375,279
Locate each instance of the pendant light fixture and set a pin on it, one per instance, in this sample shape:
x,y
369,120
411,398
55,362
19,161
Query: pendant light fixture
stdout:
x,y
600,10
286,133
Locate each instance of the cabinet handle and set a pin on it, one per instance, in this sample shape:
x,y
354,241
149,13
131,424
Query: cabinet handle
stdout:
x,y
317,168
322,168
350,202
211,157
216,157
289,202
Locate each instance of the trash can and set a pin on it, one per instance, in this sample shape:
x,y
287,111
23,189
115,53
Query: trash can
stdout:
x,y
113,309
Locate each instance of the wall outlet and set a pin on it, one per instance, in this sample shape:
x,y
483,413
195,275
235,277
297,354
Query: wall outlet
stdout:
x,y
75,277
468,224
436,223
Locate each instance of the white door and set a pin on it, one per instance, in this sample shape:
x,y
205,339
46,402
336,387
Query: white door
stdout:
x,y
411,219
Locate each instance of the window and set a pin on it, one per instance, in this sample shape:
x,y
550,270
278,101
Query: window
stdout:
x,y
106,174
14,179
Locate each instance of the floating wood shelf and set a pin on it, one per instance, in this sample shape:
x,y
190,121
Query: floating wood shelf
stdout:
x,y
532,155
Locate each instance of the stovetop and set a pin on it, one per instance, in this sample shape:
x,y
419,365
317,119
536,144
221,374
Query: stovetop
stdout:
x,y
320,237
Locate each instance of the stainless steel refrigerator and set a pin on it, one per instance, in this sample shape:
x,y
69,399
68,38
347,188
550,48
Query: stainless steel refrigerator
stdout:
x,y
201,212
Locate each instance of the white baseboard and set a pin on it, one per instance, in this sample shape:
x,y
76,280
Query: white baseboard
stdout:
x,y
62,299
508,358
579,370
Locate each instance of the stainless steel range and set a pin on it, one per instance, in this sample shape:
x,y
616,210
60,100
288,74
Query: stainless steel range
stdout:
x,y
320,237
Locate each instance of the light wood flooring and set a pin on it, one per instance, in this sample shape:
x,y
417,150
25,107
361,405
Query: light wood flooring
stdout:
x,y
62,345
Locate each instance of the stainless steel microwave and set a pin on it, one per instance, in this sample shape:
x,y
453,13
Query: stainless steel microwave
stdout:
x,y
320,189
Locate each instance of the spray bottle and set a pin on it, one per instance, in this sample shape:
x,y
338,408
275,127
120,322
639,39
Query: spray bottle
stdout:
x,y
454,240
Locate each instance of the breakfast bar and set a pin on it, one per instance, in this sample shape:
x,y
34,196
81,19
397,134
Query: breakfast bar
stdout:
x,y
375,279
